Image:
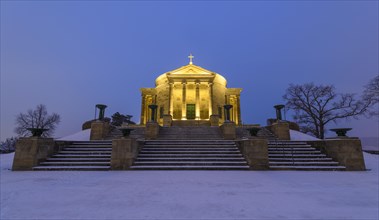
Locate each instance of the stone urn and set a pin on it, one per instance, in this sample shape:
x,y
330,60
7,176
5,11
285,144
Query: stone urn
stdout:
x,y
126,131
227,111
341,132
37,132
153,108
253,131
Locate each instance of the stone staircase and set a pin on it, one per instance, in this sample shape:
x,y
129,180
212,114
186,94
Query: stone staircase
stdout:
x,y
84,155
190,133
295,155
190,155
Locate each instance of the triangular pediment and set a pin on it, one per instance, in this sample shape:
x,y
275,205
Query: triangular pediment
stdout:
x,y
190,69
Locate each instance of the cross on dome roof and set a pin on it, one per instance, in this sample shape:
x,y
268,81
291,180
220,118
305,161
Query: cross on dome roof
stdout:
x,y
190,57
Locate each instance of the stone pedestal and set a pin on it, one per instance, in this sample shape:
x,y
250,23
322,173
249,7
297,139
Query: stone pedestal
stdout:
x,y
31,151
214,119
99,130
124,151
229,130
346,151
151,130
255,152
281,130
167,120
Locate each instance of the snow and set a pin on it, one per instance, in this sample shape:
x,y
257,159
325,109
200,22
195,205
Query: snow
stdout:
x,y
79,136
299,136
189,194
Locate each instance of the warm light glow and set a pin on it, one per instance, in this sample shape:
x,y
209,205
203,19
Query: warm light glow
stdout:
x,y
190,57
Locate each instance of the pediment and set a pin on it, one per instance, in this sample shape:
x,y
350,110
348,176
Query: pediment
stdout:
x,y
191,70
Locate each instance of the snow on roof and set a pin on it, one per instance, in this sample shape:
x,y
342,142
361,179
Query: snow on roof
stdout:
x,y
299,136
79,136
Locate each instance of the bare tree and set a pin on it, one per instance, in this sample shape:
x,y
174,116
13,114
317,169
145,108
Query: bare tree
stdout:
x,y
371,94
37,118
317,105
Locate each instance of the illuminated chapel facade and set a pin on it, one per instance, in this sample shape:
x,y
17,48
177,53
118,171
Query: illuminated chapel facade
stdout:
x,y
190,95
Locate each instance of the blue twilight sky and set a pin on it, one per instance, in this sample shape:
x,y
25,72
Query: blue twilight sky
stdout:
x,y
72,55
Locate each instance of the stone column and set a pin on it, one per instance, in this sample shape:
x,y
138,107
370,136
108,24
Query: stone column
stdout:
x,y
171,101
184,103
143,119
197,100
239,110
210,86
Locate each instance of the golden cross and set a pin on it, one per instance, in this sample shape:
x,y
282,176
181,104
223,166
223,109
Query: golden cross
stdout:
x,y
190,57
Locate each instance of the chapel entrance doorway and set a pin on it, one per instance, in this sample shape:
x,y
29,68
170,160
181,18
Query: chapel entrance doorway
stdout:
x,y
191,111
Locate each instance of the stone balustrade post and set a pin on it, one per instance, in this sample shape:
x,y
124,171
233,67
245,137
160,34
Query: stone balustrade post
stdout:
x,y
99,130
255,152
124,152
31,151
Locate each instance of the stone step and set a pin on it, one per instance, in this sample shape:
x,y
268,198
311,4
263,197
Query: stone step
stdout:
x,y
289,146
189,142
189,163
91,143
295,152
296,155
189,152
304,163
189,155
309,168
79,156
190,159
176,149
86,149
71,168
287,143
300,159
74,163
190,167
88,146
292,149
84,152
78,159
189,145
289,155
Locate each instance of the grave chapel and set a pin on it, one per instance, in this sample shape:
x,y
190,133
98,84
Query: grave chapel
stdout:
x,y
189,121
190,95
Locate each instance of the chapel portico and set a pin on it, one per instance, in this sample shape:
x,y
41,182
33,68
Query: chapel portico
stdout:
x,y
190,94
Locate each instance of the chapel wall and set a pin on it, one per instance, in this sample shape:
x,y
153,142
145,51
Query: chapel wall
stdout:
x,y
219,89
162,100
177,102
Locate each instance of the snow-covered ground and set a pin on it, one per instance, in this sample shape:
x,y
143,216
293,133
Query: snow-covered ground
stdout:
x,y
83,135
189,194
299,136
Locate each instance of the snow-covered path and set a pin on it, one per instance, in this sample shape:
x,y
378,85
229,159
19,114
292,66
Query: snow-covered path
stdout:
x,y
189,194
